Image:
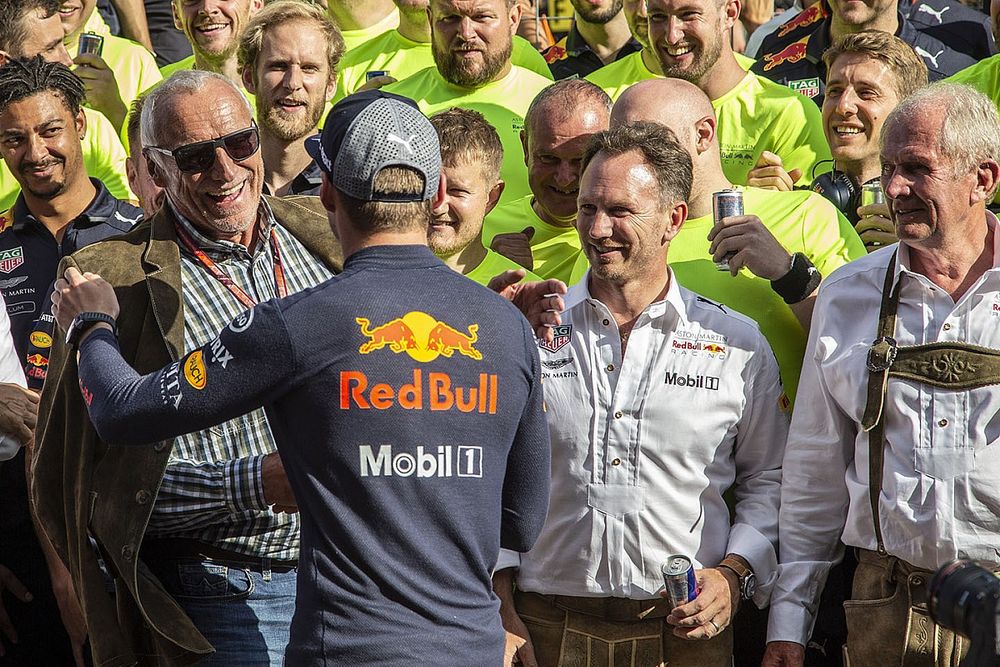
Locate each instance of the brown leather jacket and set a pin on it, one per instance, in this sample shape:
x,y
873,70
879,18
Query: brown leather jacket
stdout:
x,y
84,487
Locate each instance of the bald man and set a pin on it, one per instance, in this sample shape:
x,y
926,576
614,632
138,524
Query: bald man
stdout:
x,y
774,250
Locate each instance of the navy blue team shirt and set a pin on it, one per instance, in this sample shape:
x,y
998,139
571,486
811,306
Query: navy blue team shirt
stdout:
x,y
406,404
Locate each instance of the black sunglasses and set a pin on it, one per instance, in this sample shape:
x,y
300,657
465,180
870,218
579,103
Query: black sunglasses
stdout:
x,y
200,156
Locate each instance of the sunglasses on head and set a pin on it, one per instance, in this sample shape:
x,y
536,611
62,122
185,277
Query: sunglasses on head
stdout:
x,y
200,156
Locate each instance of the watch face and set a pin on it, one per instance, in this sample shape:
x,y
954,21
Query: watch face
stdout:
x,y
749,586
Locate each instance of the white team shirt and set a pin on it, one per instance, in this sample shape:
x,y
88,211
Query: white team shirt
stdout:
x,y
643,448
10,371
940,497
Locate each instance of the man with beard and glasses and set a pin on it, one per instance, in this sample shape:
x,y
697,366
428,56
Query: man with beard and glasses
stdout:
x,y
600,35
538,231
407,50
759,122
472,45
29,28
471,155
58,211
288,55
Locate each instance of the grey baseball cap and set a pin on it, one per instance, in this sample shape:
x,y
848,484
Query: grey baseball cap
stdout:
x,y
369,131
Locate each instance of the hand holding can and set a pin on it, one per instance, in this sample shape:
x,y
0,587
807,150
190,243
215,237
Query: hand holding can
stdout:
x,y
726,204
679,580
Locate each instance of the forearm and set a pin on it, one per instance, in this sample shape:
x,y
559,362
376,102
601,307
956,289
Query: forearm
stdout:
x,y
195,495
803,311
132,14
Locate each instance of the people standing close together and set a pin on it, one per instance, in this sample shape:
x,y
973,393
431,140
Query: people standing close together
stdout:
x,y
369,334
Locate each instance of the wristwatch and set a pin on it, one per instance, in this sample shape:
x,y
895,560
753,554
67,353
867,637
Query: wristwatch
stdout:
x,y
744,575
82,322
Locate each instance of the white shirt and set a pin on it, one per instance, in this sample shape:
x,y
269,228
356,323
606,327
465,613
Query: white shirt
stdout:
x,y
643,449
11,371
940,496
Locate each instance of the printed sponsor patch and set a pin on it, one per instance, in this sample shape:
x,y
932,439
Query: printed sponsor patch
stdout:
x,y
194,370
40,339
556,364
560,338
11,259
807,87
709,382
420,336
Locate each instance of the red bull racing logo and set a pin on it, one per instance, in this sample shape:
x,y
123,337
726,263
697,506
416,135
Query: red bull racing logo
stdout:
x,y
806,17
420,336
792,53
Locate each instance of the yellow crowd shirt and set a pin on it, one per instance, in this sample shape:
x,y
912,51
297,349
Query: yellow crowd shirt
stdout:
x,y
616,76
493,265
401,57
801,221
502,102
103,158
555,250
355,38
134,67
759,115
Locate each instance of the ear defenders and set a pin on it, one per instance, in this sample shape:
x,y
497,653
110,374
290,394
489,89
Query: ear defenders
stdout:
x,y
840,190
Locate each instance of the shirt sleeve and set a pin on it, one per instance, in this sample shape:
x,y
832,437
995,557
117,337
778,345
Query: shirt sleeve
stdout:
x,y
759,448
526,482
241,369
197,494
814,496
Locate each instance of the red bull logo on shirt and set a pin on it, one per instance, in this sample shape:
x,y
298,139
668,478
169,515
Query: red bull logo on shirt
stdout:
x,y
421,336
792,53
806,17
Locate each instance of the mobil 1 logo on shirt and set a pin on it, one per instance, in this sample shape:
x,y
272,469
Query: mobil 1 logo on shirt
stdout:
x,y
421,462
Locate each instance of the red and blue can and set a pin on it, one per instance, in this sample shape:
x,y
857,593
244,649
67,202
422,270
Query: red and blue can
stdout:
x,y
678,579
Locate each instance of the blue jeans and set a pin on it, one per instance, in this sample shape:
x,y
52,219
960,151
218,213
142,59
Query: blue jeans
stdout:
x,y
244,614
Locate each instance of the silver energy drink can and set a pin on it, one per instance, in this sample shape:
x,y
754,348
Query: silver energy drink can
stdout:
x,y
871,193
726,203
91,43
678,579
375,73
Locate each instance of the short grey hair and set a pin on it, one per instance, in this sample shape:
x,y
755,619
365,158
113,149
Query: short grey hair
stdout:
x,y
567,95
970,133
183,81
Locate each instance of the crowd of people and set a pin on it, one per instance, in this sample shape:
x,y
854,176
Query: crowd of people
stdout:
x,y
408,332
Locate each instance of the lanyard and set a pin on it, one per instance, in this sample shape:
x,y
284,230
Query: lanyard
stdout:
x,y
220,275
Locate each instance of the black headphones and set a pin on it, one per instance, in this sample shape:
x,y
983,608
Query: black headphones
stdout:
x,y
839,189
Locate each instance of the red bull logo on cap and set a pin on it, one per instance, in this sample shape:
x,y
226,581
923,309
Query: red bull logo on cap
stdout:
x,y
807,16
421,336
792,53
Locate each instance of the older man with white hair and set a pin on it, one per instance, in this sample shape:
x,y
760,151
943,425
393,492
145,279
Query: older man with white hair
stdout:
x,y
891,448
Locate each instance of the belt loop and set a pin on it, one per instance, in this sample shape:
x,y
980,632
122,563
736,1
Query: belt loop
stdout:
x,y
265,567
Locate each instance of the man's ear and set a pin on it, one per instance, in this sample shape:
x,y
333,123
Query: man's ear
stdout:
x,y
4,58
494,197
154,170
326,195
81,124
247,77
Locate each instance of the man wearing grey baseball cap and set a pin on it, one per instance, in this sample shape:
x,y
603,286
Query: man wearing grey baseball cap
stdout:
x,y
405,400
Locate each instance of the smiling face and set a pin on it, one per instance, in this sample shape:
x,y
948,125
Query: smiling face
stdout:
x,y
859,96
214,26
40,142
74,14
458,219
472,39
221,201
689,35
45,38
555,145
623,226
292,81
927,199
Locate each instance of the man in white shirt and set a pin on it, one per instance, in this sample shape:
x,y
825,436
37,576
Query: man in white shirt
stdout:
x,y
18,406
906,423
644,443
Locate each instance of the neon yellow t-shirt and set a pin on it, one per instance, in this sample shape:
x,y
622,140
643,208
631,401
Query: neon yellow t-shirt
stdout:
x,y
103,158
134,67
760,115
616,76
801,221
555,250
493,265
502,102
984,76
402,57
355,38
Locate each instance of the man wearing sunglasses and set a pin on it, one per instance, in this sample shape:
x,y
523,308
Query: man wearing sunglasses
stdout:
x,y
201,531
59,210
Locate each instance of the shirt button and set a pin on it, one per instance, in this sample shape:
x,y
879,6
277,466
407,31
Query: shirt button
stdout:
x,y
127,552
616,462
611,367
618,415
942,423
160,446
142,497
947,327
606,322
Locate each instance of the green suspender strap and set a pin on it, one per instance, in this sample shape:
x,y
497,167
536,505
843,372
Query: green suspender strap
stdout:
x,y
953,366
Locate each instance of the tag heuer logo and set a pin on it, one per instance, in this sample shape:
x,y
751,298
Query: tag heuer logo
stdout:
x,y
560,336
11,259
807,87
